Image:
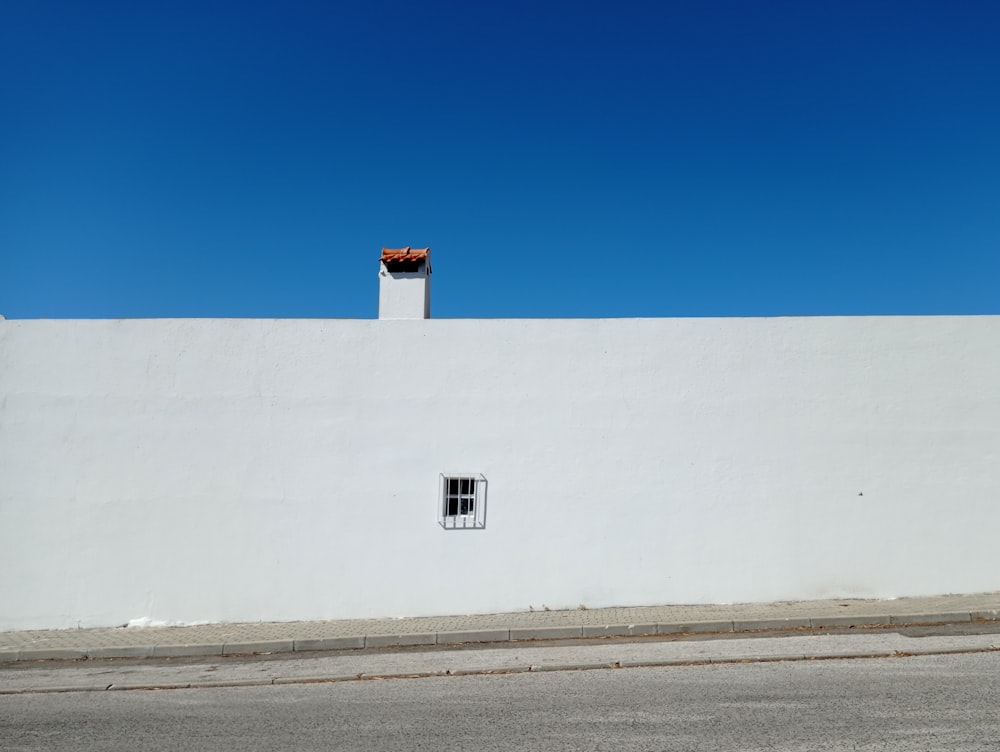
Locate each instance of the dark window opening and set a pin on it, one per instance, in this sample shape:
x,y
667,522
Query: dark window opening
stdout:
x,y
403,266
460,497
462,502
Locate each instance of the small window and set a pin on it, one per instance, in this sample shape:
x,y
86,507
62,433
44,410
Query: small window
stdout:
x,y
462,502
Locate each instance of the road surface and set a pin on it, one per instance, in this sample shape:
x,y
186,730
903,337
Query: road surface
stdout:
x,y
942,702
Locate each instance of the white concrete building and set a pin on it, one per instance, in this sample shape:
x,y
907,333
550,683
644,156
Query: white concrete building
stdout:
x,y
230,470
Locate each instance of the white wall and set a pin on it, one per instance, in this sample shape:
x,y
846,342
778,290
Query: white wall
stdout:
x,y
190,470
404,295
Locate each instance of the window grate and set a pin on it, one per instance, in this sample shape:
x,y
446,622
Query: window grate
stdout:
x,y
462,502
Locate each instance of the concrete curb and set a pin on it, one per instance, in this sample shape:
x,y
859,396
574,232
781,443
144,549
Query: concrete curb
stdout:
x,y
534,668
187,651
862,621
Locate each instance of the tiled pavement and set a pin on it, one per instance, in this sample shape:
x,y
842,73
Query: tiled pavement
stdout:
x,y
276,637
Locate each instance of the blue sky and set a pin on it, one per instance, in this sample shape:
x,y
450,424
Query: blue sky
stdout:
x,y
561,159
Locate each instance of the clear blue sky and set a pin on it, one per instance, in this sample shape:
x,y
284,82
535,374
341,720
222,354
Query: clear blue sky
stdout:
x,y
561,159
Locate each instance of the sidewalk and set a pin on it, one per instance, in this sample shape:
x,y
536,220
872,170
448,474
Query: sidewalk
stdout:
x,y
285,637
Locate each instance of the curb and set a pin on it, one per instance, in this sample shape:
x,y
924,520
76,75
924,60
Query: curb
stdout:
x,y
530,669
357,642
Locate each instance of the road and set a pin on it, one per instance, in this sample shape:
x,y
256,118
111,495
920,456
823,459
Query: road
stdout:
x,y
943,702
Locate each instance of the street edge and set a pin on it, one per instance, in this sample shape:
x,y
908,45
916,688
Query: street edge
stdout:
x,y
512,634
532,669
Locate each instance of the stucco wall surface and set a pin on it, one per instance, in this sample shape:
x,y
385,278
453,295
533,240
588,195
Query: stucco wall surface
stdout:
x,y
217,470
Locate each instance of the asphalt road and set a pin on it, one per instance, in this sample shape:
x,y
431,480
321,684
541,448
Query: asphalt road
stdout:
x,y
945,702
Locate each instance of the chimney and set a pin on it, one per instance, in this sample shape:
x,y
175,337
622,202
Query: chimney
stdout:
x,y
404,283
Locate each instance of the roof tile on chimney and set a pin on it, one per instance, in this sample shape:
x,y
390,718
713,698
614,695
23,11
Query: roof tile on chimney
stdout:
x,y
407,256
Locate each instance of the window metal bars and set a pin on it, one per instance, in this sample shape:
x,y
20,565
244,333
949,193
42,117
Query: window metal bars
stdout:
x,y
462,502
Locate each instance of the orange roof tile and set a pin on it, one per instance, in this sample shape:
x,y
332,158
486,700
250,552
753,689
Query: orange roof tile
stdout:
x,y
405,254
408,256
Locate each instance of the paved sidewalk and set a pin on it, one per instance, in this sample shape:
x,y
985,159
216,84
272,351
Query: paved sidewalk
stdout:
x,y
281,637
32,677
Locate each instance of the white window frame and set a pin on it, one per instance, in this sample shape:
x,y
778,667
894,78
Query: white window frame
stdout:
x,y
462,501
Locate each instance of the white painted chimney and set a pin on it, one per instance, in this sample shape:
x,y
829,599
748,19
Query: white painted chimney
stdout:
x,y
404,283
